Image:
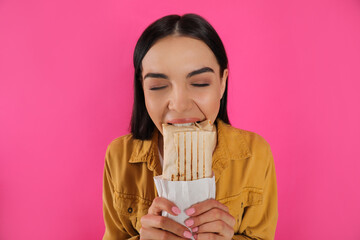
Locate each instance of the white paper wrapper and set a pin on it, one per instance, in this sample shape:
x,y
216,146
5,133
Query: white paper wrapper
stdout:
x,y
185,193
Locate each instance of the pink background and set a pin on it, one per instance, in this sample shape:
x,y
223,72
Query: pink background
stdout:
x,y
66,92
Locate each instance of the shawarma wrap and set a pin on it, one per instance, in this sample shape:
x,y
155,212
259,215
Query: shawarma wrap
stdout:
x,y
188,151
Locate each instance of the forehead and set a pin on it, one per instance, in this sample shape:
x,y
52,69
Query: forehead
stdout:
x,y
178,54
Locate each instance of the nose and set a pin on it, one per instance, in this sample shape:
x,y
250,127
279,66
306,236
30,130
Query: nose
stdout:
x,y
180,100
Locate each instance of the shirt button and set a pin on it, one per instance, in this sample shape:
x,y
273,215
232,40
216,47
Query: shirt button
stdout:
x,y
130,210
241,205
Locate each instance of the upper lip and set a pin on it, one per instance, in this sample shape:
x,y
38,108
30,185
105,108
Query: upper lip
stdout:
x,y
183,120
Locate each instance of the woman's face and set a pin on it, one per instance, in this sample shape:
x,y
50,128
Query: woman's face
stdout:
x,y
181,81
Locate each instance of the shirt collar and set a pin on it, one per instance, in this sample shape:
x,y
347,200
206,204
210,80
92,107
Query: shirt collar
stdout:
x,y
231,145
147,151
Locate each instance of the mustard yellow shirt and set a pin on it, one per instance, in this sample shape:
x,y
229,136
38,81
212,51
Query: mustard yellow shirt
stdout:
x,y
244,173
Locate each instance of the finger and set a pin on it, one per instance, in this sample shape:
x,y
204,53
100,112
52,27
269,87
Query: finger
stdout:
x,y
218,227
153,233
165,223
205,206
211,216
206,236
162,204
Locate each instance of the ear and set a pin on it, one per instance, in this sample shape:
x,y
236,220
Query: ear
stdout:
x,y
223,81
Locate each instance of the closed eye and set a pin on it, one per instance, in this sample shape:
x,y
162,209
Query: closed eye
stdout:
x,y
157,88
200,84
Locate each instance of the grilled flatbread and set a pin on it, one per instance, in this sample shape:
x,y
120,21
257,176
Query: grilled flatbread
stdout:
x,y
188,151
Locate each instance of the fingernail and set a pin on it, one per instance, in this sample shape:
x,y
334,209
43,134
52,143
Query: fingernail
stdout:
x,y
195,229
187,234
190,211
175,210
189,222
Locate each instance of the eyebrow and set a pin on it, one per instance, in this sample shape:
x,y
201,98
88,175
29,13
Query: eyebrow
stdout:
x,y
161,75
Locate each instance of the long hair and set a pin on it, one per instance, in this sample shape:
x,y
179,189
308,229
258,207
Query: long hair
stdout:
x,y
189,25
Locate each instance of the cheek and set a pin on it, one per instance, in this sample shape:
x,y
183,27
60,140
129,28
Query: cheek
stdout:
x,y
155,107
209,104
151,103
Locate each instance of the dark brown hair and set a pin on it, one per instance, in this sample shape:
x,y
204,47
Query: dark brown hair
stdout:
x,y
190,25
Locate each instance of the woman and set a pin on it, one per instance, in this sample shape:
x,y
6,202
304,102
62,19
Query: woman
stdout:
x,y
181,76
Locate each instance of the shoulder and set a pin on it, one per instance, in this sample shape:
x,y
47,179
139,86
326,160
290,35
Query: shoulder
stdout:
x,y
255,141
261,157
121,142
246,142
121,146
134,150
259,147
119,153
251,137
250,158
126,169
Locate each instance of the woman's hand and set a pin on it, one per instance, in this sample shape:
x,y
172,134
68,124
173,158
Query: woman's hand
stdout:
x,y
210,220
155,226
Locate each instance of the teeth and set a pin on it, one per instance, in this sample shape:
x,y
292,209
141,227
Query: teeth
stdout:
x,y
182,124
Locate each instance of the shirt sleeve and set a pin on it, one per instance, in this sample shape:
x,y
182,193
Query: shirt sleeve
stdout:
x,y
259,221
115,225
